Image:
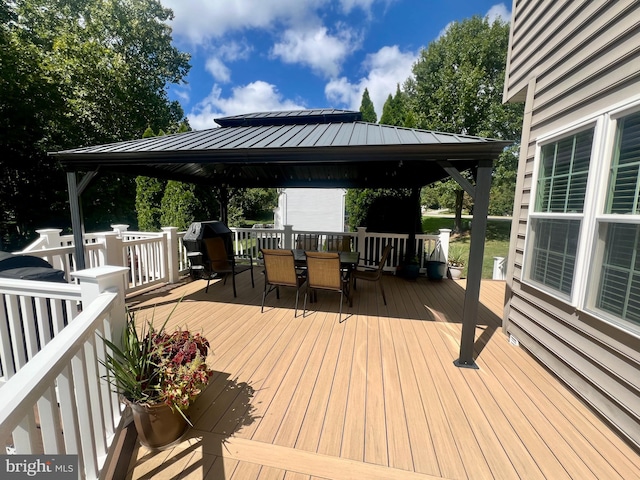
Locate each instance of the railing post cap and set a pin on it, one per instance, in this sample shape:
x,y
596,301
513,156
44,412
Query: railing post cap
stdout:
x,y
98,273
445,230
49,230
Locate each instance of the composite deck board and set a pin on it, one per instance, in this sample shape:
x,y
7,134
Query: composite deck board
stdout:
x,y
376,396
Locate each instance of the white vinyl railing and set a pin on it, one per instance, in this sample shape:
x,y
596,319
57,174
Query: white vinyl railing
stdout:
x,y
249,241
57,402
31,314
155,258
499,268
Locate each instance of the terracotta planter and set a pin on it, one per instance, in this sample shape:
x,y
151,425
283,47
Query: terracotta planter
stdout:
x,y
157,425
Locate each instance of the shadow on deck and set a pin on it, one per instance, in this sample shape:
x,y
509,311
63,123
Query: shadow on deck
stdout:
x,y
374,397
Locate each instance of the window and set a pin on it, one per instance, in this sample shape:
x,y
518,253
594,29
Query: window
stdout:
x,y
623,196
557,217
617,265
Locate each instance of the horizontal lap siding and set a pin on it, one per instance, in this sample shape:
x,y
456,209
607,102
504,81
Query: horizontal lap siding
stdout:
x,y
580,58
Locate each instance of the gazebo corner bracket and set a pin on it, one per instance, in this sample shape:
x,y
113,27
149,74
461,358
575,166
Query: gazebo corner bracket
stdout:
x,y
457,176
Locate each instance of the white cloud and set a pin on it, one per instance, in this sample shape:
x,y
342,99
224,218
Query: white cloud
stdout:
x,y
229,51
386,68
257,96
201,20
365,5
499,11
219,70
323,52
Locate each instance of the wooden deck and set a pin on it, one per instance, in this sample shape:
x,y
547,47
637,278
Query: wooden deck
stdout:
x,y
374,397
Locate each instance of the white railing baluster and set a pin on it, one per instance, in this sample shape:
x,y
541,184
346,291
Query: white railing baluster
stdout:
x,y
69,412
15,331
25,435
28,326
84,414
42,320
52,439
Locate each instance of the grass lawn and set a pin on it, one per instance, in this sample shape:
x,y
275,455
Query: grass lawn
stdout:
x,y
496,245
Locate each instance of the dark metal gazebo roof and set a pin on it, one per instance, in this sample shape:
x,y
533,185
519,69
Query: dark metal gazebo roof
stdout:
x,y
317,148
309,148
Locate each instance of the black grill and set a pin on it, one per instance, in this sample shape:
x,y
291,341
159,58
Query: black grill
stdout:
x,y
198,231
27,267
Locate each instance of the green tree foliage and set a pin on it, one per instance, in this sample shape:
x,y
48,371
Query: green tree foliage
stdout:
x,y
457,87
458,82
251,203
72,74
184,203
382,210
149,193
366,108
504,181
396,110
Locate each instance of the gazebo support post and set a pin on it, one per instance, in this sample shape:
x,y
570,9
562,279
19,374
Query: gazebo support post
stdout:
x,y
410,251
77,220
474,275
223,201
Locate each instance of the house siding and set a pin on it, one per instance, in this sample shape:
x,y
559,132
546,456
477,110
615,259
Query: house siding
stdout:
x,y
570,61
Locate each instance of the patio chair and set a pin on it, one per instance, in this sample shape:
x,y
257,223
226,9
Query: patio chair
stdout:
x,y
374,274
307,241
219,262
339,243
280,271
324,273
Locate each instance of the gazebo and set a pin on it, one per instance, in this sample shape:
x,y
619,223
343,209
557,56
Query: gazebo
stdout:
x,y
322,148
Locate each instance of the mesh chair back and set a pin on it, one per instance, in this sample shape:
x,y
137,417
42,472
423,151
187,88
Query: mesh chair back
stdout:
x,y
217,254
307,241
279,267
384,257
339,244
323,270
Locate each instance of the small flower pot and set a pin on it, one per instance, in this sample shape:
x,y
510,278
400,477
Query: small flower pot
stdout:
x,y
455,272
157,425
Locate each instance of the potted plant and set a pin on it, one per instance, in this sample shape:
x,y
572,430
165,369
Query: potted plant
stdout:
x,y
158,374
410,269
457,259
435,264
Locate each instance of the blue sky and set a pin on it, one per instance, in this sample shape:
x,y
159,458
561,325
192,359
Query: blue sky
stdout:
x,y
266,55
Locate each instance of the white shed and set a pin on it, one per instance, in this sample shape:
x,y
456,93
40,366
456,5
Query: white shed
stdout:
x,y
319,209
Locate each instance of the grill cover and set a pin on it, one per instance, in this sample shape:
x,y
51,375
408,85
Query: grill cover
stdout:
x,y
27,267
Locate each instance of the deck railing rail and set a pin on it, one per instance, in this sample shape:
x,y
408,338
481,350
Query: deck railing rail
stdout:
x,y
57,402
155,258
248,241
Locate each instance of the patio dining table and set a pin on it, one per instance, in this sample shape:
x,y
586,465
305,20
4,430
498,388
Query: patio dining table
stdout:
x,y
348,263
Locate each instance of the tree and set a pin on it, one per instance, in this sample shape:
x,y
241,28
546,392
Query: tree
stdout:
x,y
185,203
457,87
251,203
366,108
396,111
93,72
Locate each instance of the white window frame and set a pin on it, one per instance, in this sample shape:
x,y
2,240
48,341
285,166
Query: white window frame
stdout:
x,y
577,286
597,250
